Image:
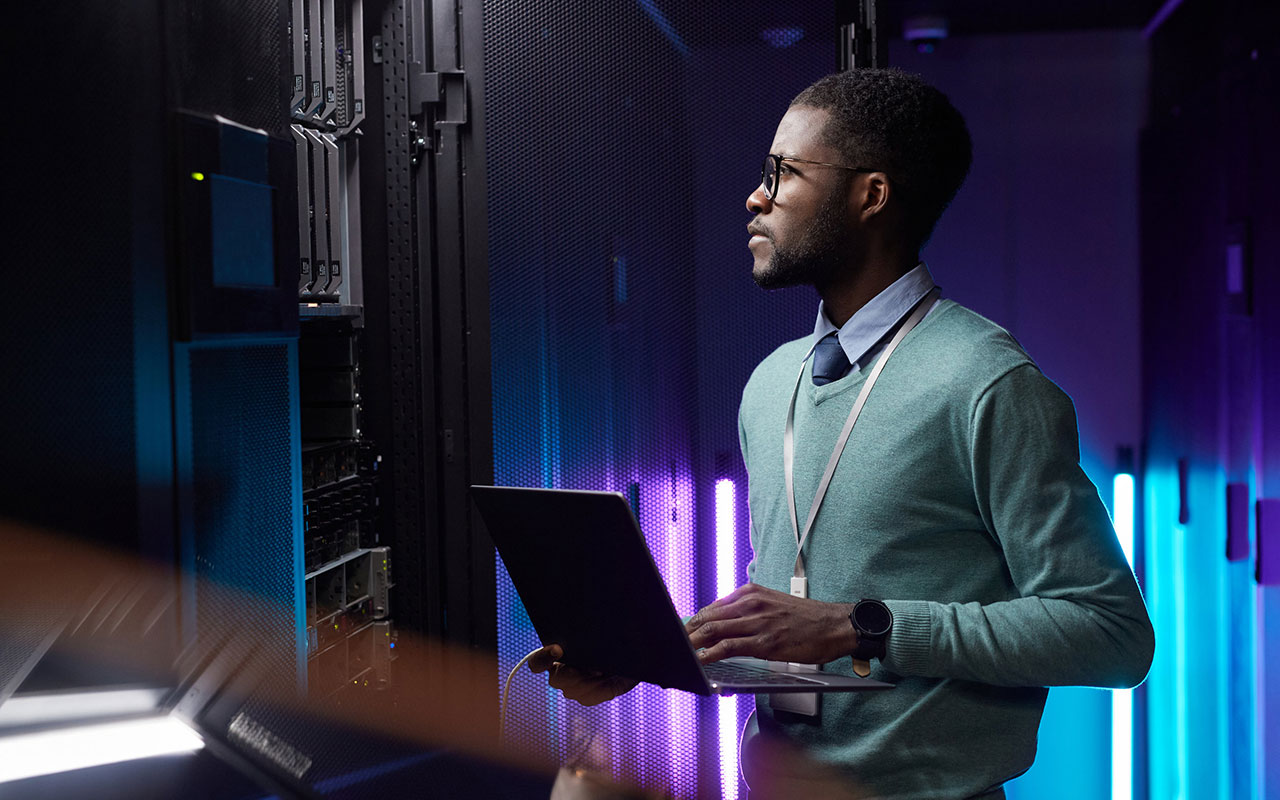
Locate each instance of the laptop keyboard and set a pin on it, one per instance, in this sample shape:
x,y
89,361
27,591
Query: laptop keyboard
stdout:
x,y
730,673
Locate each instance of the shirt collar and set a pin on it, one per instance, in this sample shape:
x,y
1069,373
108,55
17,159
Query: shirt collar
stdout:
x,y
872,322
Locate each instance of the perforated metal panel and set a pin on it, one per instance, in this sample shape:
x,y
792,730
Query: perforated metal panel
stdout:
x,y
67,413
409,453
621,145
220,53
242,456
25,634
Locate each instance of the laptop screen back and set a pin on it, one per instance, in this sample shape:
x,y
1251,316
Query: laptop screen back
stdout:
x,y
589,584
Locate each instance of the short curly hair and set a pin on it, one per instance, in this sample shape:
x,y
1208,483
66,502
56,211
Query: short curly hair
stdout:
x,y
892,120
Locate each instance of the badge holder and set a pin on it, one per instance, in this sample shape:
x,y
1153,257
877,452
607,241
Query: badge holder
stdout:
x,y
804,704
807,704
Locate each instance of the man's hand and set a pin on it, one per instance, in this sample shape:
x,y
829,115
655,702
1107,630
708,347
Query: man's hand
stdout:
x,y
588,688
755,621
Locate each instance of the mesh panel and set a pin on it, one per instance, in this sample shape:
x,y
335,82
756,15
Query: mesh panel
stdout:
x,y
220,53
22,633
620,149
242,455
403,392
66,418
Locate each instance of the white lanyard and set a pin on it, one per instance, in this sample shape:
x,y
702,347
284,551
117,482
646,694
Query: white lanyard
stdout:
x,y
799,583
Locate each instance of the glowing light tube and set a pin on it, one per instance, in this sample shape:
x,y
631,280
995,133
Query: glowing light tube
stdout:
x,y
1180,655
726,579
1122,487
726,539
1122,699
50,752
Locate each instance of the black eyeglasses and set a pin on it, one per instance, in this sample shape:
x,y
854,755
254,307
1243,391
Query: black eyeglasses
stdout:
x,y
771,171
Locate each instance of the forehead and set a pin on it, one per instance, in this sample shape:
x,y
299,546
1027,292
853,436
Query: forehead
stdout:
x,y
800,133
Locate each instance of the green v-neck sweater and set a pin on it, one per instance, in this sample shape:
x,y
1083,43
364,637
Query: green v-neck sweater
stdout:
x,y
959,501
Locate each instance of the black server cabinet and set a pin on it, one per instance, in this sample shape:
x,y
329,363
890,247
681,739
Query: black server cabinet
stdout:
x,y
160,402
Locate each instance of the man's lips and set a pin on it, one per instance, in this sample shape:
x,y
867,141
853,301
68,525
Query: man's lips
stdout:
x,y
758,232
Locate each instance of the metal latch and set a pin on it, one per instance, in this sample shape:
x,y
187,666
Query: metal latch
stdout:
x,y
447,89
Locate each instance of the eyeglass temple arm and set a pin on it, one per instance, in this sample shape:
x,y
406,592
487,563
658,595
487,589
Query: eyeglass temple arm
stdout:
x,y
826,164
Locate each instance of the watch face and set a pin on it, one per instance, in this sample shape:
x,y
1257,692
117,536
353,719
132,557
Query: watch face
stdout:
x,y
873,618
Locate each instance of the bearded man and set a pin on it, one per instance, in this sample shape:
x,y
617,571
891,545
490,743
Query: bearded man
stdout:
x,y
936,533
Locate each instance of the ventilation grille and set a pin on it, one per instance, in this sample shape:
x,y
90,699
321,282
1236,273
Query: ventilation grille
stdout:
x,y
245,507
228,58
620,148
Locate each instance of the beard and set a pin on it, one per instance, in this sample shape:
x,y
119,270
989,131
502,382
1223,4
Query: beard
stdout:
x,y
820,254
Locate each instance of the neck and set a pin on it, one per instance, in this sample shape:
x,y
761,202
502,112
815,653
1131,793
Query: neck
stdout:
x,y
842,299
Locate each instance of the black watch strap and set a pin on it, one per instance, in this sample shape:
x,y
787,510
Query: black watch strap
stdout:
x,y
872,620
868,649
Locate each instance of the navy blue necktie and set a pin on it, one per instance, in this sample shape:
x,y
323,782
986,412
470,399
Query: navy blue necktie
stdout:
x,y
829,360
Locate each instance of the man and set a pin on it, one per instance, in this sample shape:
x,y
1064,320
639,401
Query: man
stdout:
x,y
956,517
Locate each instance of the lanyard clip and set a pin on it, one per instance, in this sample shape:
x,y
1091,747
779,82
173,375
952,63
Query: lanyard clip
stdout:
x,y
800,587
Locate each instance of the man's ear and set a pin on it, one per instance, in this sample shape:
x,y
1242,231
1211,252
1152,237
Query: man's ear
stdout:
x,y
871,194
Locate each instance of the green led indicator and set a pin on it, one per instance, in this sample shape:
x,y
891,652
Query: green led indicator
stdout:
x,y
198,176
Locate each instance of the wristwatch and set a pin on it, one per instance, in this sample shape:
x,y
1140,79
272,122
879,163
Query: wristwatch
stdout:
x,y
872,620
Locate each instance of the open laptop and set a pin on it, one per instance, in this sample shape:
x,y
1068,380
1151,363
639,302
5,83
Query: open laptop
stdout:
x,y
579,561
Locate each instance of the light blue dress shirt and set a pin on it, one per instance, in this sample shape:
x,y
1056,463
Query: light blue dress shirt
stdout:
x,y
866,333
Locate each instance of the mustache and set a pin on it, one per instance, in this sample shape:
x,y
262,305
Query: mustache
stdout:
x,y
755,229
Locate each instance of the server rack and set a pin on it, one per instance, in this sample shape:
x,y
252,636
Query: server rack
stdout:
x,y
250,329
347,581
427,310
393,304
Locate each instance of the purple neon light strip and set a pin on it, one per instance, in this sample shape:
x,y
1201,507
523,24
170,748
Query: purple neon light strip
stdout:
x,y
669,532
677,719
726,538
726,577
728,711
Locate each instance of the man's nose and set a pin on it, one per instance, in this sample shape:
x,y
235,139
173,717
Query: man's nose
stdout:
x,y
758,202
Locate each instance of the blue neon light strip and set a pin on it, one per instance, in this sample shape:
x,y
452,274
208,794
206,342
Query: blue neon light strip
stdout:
x,y
1180,683
650,7
1122,699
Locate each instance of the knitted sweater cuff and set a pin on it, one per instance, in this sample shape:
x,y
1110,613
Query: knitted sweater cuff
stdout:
x,y
910,641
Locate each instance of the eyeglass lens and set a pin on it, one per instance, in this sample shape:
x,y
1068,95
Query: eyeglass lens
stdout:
x,y
769,176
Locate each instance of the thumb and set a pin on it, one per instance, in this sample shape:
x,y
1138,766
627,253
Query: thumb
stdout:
x,y
544,658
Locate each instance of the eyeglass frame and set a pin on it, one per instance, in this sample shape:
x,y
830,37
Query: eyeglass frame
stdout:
x,y
775,160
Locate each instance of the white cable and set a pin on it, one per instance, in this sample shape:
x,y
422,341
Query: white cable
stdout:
x,y
506,691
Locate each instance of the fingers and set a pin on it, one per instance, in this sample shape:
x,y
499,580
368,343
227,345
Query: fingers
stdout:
x,y
748,597
727,648
567,679
587,688
712,631
544,658
720,609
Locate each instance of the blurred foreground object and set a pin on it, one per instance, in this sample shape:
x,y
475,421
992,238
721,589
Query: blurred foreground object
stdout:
x,y
87,639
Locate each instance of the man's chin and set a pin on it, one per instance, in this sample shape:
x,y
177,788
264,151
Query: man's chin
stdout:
x,y
769,276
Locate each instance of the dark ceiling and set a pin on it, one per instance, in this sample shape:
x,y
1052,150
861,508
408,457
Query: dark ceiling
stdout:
x,y
972,17
714,22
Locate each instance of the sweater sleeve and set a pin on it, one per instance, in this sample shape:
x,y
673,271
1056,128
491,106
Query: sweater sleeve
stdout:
x,y
1080,618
